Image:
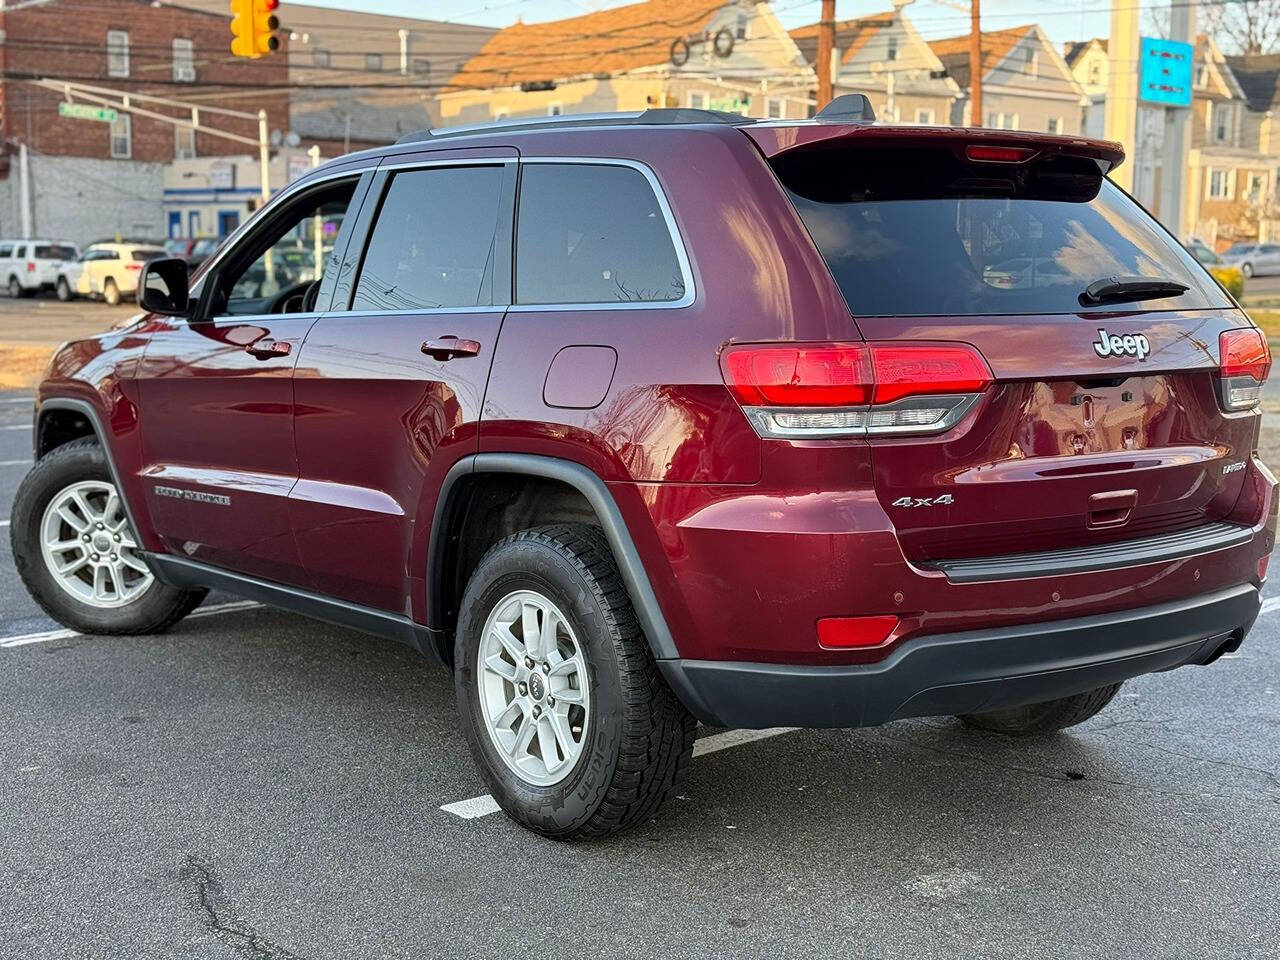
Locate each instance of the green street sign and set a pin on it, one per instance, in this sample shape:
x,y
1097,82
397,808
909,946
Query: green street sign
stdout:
x,y
84,111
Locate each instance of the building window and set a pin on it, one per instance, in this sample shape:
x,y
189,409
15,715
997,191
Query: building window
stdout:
x,y
742,26
776,108
1033,62
1055,125
373,62
421,66
1221,121
892,53
697,100
320,57
1256,183
993,120
184,60
1095,73
1221,184
926,117
555,108
117,53
1002,121
1202,76
184,143
122,137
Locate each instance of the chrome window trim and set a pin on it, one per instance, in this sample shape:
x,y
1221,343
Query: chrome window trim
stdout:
x,y
677,243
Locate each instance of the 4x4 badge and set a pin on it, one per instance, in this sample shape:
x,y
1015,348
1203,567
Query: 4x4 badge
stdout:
x,y
1130,345
943,501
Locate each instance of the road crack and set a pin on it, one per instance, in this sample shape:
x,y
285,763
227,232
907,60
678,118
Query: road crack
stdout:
x,y
210,902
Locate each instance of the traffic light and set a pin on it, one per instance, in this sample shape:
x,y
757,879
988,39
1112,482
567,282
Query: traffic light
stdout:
x,y
253,27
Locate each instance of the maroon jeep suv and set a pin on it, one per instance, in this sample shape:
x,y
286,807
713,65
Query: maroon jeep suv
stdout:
x,y
643,419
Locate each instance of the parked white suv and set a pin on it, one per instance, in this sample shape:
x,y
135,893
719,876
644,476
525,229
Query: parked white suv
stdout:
x,y
29,266
107,271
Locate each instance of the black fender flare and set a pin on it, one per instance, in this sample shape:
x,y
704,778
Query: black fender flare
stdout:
x,y
606,509
90,413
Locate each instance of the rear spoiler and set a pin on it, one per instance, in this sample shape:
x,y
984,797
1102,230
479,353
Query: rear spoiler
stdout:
x,y
775,139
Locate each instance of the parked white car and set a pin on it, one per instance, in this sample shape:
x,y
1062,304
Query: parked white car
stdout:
x,y
106,271
1253,259
29,266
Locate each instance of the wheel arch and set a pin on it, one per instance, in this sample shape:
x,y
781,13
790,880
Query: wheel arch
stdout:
x,y
589,492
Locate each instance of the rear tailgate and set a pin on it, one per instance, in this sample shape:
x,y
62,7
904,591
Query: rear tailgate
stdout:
x,y
1106,418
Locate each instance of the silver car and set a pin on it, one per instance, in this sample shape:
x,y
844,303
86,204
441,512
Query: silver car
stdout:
x,y
1254,259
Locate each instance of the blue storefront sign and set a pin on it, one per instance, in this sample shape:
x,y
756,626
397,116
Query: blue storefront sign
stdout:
x,y
1166,71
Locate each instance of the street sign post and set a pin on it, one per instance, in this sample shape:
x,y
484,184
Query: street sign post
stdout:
x,y
85,111
1165,74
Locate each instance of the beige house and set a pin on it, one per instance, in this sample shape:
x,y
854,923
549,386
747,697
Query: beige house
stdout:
x,y
1026,83
729,55
1091,66
883,56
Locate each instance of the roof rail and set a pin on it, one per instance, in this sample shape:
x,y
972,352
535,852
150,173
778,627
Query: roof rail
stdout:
x,y
656,115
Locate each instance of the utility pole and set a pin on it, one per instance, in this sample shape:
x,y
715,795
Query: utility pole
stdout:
x,y
264,158
975,64
826,42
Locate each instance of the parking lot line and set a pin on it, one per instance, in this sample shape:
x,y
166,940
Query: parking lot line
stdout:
x,y
26,639
14,463
17,399
17,426
1271,603
483,805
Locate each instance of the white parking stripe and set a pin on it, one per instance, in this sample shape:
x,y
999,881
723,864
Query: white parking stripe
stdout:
x,y
17,426
15,463
484,804
1269,604
27,639
4,523
18,400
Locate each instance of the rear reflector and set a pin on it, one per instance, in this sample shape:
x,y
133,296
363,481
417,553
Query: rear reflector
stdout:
x,y
1262,566
854,389
1245,362
841,633
993,154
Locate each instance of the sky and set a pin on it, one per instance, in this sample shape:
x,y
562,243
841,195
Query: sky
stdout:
x,y
1062,20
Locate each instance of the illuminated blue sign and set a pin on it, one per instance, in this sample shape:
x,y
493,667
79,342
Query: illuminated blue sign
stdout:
x,y
1165,76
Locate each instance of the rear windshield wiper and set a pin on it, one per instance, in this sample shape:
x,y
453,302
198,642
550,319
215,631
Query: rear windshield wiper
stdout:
x,y
1128,289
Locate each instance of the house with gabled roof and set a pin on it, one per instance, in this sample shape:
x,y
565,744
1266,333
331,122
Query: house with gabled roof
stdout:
x,y
1026,83
729,55
884,57
1091,66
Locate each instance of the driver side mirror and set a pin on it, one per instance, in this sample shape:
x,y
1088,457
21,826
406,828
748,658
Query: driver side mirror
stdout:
x,y
163,289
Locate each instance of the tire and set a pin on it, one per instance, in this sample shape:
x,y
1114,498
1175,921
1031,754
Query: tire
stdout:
x,y
15,289
110,292
635,737
1247,270
82,465
64,290
1042,718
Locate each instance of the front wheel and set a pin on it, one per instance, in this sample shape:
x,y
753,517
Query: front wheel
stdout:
x,y
64,290
77,554
1247,270
573,728
1047,717
111,293
15,288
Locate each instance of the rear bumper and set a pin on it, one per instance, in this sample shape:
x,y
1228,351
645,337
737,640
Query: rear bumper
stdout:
x,y
971,671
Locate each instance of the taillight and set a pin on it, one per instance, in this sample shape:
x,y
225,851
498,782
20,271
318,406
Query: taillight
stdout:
x,y
1245,361
31,266
842,633
990,153
854,389
133,266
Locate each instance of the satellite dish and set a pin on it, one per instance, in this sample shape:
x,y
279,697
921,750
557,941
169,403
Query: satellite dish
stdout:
x,y
292,139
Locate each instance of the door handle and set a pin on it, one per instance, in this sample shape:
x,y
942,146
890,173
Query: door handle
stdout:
x,y
265,349
448,347
1112,508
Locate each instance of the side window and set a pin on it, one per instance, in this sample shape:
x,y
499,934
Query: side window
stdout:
x,y
592,233
21,251
277,269
6,250
432,244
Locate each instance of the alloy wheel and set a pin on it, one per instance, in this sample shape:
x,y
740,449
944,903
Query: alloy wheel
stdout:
x,y
534,687
89,547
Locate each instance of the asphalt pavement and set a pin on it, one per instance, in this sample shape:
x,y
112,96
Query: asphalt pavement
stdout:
x,y
255,784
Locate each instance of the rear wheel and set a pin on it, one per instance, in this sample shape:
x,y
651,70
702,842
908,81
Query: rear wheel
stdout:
x,y
64,290
1047,717
572,726
110,292
76,552
1247,269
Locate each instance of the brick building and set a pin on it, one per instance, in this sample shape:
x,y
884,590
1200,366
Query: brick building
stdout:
x,y
91,179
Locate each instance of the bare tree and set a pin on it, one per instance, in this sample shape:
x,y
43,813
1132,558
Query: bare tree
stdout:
x,y
1249,26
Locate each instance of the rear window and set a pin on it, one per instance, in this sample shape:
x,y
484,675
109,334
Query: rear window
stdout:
x,y
917,232
55,252
142,256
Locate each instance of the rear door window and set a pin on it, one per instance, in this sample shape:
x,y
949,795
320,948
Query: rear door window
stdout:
x,y
593,234
433,243
916,232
